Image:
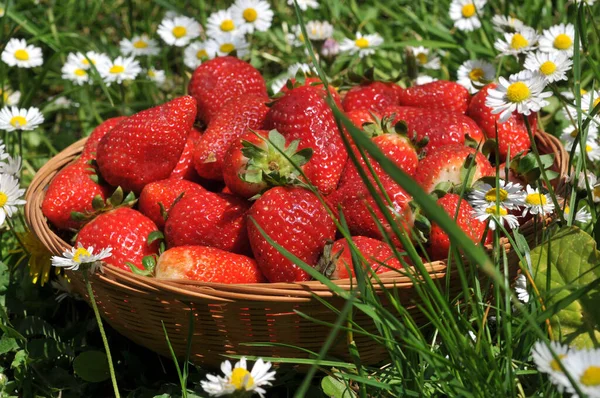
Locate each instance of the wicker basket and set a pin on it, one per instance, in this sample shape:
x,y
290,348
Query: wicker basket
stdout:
x,y
227,316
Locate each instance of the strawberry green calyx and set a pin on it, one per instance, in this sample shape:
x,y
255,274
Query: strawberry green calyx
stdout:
x,y
99,205
327,264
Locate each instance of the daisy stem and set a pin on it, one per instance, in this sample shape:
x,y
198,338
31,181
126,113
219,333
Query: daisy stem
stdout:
x,y
11,226
111,368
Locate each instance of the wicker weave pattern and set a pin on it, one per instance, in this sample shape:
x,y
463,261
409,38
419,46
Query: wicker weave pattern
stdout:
x,y
227,316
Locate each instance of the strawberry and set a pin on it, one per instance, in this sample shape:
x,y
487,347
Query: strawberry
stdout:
x,y
302,113
147,146
185,167
91,145
512,134
336,263
441,94
235,118
124,230
221,79
305,81
204,218
207,264
439,242
72,190
294,218
445,165
360,118
374,96
163,192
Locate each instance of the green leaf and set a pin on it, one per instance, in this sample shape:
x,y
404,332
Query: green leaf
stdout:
x,y
91,366
572,262
155,235
335,388
117,197
7,344
4,282
46,348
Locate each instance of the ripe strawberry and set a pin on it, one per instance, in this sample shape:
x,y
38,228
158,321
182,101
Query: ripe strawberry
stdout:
x,y
234,119
146,147
72,189
445,165
295,219
304,81
336,263
360,118
185,167
124,230
163,192
204,218
511,134
221,79
303,114
439,242
374,96
207,264
441,94
91,145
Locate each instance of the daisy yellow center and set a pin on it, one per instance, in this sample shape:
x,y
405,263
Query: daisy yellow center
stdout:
x,y
116,69
596,102
468,10
574,133
86,62
362,42
562,42
536,199
518,92
518,41
140,44
4,96
500,211
18,121
201,54
496,195
591,376
227,48
554,363
476,74
179,32
588,148
422,58
80,252
227,25
151,73
301,37
3,199
80,72
548,68
250,14
22,55
241,379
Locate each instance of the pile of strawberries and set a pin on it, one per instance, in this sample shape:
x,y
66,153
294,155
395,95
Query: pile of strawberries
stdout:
x,y
226,171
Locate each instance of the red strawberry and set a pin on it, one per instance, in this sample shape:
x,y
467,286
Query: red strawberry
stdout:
x,y
125,231
303,114
164,192
147,146
295,219
511,134
337,263
439,242
361,117
91,145
207,264
444,165
185,167
71,190
221,79
374,96
441,94
205,218
234,119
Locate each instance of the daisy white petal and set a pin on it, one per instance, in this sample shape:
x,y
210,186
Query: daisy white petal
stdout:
x,y
221,22
156,75
507,24
305,68
120,70
424,79
508,195
179,30
296,37
474,74
424,59
495,215
363,45
278,84
464,14
139,45
545,362
319,30
537,202
521,288
569,135
74,72
196,53
584,366
552,66
9,97
10,196
251,15
588,102
3,153
239,378
73,258
558,38
225,44
304,4
582,216
11,166
22,55
14,118
519,42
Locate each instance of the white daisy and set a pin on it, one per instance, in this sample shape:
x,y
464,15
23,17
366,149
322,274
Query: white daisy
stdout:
x,y
121,69
196,53
319,30
584,366
363,45
424,79
545,362
537,202
582,216
73,258
592,150
507,24
569,135
278,84
18,53
582,184
304,4
588,102
9,97
83,61
508,195
330,48
521,288
296,37
3,153
552,66
251,15
139,45
14,118
238,378
558,38
474,74
221,22
464,14
156,75
10,195
12,165
75,72
421,54
522,92
305,68
225,44
178,31
495,215
588,2
519,42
